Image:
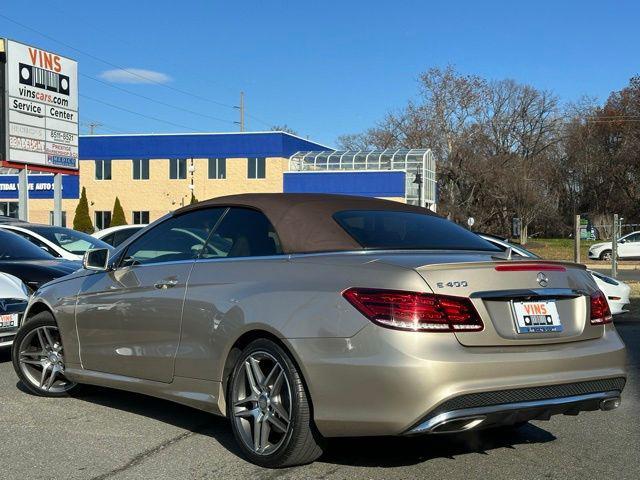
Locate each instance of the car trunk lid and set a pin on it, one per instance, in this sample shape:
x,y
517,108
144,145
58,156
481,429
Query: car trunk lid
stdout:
x,y
506,292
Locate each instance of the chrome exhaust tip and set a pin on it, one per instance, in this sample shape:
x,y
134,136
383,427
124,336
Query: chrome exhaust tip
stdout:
x,y
610,404
458,424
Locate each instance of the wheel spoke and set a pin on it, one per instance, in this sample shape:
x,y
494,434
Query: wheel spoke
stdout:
x,y
38,362
25,353
42,340
279,409
264,433
52,377
250,399
250,378
49,338
43,377
257,372
257,432
247,413
277,385
272,375
276,422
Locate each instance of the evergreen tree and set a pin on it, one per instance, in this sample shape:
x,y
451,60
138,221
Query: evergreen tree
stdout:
x,y
82,220
117,216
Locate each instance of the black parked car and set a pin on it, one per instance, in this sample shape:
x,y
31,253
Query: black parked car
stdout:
x,y
31,264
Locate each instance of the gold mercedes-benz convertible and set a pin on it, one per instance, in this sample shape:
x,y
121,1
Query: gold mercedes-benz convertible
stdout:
x,y
302,316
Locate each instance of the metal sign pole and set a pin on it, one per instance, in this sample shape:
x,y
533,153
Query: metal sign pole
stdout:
x,y
614,247
57,199
576,240
23,195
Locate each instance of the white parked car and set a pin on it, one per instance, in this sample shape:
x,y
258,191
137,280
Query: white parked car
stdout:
x,y
115,236
60,242
14,296
628,248
617,292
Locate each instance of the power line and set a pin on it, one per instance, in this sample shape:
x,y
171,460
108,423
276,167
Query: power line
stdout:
x,y
136,113
111,64
159,102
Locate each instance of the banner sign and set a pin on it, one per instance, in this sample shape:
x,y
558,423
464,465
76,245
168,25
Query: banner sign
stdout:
x,y
40,186
41,107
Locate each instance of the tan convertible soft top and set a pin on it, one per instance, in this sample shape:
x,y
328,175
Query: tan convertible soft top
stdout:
x,y
304,221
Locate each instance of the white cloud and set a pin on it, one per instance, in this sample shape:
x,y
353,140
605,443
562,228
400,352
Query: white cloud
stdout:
x,y
134,75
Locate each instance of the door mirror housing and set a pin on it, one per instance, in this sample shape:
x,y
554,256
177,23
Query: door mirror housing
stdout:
x,y
622,240
96,259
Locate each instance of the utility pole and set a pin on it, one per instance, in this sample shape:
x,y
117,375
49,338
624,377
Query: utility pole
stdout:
x,y
576,239
92,127
241,108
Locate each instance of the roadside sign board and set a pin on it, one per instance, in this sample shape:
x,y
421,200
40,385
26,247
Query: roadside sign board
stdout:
x,y
41,108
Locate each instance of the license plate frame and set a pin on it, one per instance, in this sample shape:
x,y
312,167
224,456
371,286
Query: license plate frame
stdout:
x,y
9,321
536,316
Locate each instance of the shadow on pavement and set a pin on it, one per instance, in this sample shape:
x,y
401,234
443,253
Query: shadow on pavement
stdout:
x,y
381,451
388,452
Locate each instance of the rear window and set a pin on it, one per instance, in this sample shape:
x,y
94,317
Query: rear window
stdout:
x,y
405,230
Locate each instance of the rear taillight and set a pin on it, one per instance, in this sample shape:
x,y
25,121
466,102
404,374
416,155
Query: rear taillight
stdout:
x,y
415,311
600,312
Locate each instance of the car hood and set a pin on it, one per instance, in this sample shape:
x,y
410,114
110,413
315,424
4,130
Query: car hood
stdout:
x,y
595,246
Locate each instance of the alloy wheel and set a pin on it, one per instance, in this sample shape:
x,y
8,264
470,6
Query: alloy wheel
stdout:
x,y
261,407
41,360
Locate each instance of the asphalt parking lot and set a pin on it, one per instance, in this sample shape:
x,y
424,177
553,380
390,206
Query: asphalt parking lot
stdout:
x,y
106,434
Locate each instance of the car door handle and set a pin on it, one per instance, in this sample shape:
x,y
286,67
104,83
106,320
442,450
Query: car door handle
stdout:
x,y
164,284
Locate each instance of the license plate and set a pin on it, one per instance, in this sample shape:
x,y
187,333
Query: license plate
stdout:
x,y
537,317
9,321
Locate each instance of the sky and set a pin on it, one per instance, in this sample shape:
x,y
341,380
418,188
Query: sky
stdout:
x,y
324,68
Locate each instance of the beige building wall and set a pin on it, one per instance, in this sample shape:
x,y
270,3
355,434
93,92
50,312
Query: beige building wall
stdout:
x,y
159,195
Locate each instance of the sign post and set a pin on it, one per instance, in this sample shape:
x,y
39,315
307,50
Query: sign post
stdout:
x,y
57,199
40,115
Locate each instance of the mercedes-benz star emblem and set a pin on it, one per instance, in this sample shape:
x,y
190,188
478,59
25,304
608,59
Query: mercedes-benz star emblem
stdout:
x,y
543,281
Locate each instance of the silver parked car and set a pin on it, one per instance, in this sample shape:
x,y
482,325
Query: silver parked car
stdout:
x,y
301,317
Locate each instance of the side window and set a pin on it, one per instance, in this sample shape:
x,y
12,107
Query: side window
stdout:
x,y
633,238
243,233
37,243
178,238
121,235
109,238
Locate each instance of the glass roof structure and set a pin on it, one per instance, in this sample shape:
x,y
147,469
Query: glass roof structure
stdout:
x,y
412,161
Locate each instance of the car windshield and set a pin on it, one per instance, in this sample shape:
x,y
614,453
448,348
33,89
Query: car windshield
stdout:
x,y
406,230
517,249
71,240
14,247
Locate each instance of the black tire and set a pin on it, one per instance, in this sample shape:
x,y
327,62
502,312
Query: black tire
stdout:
x,y
605,254
302,443
42,319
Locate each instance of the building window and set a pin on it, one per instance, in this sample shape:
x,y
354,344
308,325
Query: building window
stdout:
x,y
140,217
9,209
103,169
64,218
177,168
103,219
218,168
140,169
256,168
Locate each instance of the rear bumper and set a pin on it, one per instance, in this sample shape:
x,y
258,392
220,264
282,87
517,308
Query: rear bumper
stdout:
x,y
386,382
477,410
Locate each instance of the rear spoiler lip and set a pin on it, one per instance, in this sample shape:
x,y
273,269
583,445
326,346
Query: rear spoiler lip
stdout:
x,y
496,263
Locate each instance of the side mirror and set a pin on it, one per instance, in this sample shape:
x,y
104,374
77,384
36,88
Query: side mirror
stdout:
x,y
96,259
622,240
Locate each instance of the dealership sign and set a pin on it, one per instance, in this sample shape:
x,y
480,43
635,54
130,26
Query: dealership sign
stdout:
x,y
41,108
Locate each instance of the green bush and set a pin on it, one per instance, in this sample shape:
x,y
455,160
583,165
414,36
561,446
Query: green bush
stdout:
x,y
193,199
82,220
117,216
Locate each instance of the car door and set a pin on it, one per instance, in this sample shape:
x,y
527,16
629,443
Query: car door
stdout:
x,y
128,319
630,248
225,273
